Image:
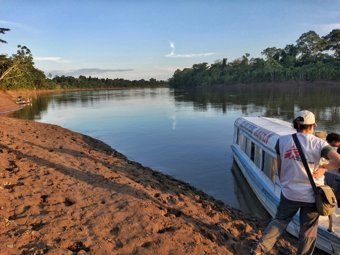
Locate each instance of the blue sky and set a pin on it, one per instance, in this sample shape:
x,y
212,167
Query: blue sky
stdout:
x,y
137,39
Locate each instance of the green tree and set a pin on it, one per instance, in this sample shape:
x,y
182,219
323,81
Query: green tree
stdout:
x,y
310,46
20,71
289,56
272,53
332,41
18,63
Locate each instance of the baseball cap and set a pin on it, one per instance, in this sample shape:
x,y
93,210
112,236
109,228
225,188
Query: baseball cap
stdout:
x,y
305,117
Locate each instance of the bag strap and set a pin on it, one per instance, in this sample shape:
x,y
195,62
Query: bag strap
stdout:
x,y
304,161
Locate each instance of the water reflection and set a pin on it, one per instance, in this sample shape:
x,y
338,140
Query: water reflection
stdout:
x,y
84,99
248,201
279,100
35,110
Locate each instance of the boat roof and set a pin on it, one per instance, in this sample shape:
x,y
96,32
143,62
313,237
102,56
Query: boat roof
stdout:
x,y
265,130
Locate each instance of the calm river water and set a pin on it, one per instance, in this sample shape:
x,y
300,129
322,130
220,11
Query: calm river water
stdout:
x,y
186,134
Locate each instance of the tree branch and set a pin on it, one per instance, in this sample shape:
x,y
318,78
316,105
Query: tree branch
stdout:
x,y
8,71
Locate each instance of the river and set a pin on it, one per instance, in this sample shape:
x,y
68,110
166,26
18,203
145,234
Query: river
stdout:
x,y
184,133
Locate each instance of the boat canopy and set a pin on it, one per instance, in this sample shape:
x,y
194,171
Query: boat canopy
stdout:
x,y
265,130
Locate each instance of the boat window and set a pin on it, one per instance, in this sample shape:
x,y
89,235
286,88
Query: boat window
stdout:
x,y
242,141
237,135
258,156
248,148
239,138
252,151
269,166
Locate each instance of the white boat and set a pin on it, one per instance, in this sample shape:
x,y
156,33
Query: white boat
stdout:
x,y
254,151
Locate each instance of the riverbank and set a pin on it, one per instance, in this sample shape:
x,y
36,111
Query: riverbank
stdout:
x,y
7,103
66,193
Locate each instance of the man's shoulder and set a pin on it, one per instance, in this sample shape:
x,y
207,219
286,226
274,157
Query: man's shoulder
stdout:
x,y
285,137
316,139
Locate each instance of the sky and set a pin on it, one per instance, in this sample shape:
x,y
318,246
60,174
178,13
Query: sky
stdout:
x,y
143,39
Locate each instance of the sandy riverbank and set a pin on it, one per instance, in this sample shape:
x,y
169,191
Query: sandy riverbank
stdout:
x,y
66,193
7,103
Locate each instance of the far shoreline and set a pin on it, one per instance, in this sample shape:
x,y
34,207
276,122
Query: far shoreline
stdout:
x,y
7,97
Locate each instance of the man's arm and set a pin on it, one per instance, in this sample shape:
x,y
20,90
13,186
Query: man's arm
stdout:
x,y
334,162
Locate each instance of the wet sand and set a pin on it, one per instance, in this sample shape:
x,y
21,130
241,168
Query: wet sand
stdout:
x,y
66,193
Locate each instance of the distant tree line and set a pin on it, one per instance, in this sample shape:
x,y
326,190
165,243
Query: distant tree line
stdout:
x,y
92,82
18,72
311,58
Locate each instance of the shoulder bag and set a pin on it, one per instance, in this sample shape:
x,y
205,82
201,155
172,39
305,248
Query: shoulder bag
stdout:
x,y
324,195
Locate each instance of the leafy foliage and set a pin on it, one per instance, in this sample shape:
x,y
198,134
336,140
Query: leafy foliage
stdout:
x,y
66,82
311,58
18,71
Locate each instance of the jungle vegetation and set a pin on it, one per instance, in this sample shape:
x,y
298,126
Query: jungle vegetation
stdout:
x,y
18,72
69,82
311,58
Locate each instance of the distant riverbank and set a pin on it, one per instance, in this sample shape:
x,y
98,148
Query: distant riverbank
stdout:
x,y
8,98
64,193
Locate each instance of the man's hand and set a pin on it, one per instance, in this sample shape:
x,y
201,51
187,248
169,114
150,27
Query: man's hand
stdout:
x,y
319,172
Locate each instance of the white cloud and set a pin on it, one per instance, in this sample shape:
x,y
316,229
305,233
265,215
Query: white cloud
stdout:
x,y
94,72
329,27
172,46
52,59
172,54
11,25
164,73
168,69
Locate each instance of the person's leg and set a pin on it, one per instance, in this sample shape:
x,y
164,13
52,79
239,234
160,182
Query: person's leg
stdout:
x,y
309,218
285,212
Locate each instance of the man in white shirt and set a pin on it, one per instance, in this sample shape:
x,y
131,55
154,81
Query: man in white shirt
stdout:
x,y
297,192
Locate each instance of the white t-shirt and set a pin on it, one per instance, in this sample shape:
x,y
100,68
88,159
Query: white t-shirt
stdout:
x,y
294,179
